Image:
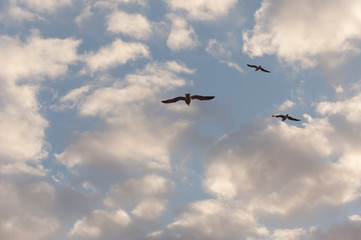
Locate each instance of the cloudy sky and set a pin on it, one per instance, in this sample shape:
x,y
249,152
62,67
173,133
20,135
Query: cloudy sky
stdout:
x,y
88,151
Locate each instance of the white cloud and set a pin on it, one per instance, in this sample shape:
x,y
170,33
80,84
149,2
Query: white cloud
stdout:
x,y
217,49
117,53
74,97
223,55
143,86
22,126
132,167
181,35
44,6
21,168
20,10
301,31
25,198
131,130
289,234
112,4
348,230
86,13
25,211
75,94
127,146
355,217
149,209
286,105
37,57
146,197
203,9
28,227
19,14
280,168
179,68
100,224
134,25
349,108
135,190
211,219
24,64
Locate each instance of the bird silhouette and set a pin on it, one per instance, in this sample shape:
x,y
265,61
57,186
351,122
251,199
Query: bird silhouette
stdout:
x,y
284,117
188,98
258,68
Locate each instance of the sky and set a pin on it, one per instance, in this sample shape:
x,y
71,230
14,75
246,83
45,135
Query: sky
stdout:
x,y
89,151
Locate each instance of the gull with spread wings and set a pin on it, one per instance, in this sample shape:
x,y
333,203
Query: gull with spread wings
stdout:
x,y
258,68
284,117
188,98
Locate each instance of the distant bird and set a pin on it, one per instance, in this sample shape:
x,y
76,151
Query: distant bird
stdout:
x,y
188,98
258,68
284,117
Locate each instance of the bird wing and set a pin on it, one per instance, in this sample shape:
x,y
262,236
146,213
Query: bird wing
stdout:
x,y
252,66
293,119
174,100
202,97
264,70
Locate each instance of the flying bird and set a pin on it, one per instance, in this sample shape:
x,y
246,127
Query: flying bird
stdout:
x,y
258,68
188,98
284,117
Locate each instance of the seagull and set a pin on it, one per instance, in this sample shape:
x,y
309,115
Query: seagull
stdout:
x,y
258,68
284,117
188,98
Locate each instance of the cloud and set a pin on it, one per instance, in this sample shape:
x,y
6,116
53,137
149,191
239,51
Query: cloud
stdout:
x,y
211,219
28,227
203,10
348,230
290,234
114,3
355,218
122,165
181,35
144,198
134,25
73,98
149,209
100,224
28,10
29,58
223,55
44,6
142,86
22,125
86,13
25,211
114,54
25,64
178,68
300,32
133,142
123,106
286,105
279,169
349,108
12,11
149,187
22,168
